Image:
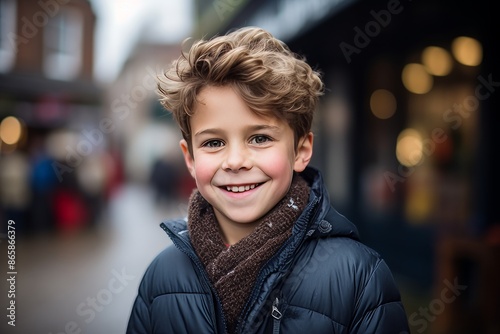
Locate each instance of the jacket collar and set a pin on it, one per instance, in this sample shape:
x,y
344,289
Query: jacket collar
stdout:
x,y
327,221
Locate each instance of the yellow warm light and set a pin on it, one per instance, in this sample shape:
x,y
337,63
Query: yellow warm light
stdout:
x,y
416,78
419,205
467,51
437,60
409,148
383,103
10,130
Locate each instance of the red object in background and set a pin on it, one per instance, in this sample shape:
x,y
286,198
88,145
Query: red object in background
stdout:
x,y
51,108
115,172
70,210
187,185
443,152
493,235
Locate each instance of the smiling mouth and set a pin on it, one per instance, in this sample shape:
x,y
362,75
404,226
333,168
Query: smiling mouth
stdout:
x,y
240,189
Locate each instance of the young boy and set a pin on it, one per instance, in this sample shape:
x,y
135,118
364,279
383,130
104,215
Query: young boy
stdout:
x,y
261,250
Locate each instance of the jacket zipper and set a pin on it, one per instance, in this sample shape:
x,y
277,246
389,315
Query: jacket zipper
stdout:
x,y
276,314
260,278
184,247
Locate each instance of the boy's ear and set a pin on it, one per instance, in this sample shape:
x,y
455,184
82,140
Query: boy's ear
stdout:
x,y
304,152
188,159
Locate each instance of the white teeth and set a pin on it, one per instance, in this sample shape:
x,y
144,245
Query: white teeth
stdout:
x,y
236,189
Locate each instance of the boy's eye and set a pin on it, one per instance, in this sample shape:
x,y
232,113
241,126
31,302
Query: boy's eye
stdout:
x,y
214,143
260,139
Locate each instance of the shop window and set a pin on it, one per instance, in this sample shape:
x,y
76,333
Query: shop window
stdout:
x,y
63,39
7,34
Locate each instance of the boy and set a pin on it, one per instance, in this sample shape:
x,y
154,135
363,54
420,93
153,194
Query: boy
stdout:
x,y
261,250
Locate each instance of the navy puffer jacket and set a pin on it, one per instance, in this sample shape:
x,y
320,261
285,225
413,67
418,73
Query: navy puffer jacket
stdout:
x,y
322,280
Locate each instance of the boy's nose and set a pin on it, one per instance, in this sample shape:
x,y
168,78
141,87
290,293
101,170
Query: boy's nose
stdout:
x,y
236,158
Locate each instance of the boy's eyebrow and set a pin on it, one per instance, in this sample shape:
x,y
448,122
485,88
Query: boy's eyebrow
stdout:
x,y
215,131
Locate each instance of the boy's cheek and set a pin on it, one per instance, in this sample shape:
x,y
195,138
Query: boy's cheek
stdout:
x,y
202,172
276,165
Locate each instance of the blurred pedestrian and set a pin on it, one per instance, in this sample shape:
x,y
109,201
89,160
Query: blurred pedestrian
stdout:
x,y
165,180
92,178
43,182
15,193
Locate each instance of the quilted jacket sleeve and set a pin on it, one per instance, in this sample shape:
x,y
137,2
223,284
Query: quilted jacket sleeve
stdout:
x,y
379,308
139,321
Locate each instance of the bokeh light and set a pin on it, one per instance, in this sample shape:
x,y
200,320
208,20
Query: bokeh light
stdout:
x,y
409,148
416,78
437,60
383,103
10,130
468,51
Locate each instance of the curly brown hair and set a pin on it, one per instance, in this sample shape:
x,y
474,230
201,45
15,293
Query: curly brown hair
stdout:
x,y
270,78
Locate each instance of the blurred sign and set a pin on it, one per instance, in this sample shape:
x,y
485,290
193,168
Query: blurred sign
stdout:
x,y
50,109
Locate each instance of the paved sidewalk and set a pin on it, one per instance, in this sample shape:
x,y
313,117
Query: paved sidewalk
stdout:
x,y
88,281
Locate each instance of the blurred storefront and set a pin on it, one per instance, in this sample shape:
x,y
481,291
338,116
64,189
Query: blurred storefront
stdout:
x,y
404,135
145,132
52,149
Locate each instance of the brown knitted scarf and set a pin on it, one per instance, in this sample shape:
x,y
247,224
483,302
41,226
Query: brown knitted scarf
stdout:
x,y
233,270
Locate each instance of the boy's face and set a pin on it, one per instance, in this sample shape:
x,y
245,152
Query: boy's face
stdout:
x,y
242,163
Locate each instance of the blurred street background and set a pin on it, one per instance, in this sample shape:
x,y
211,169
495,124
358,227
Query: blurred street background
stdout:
x,y
90,163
